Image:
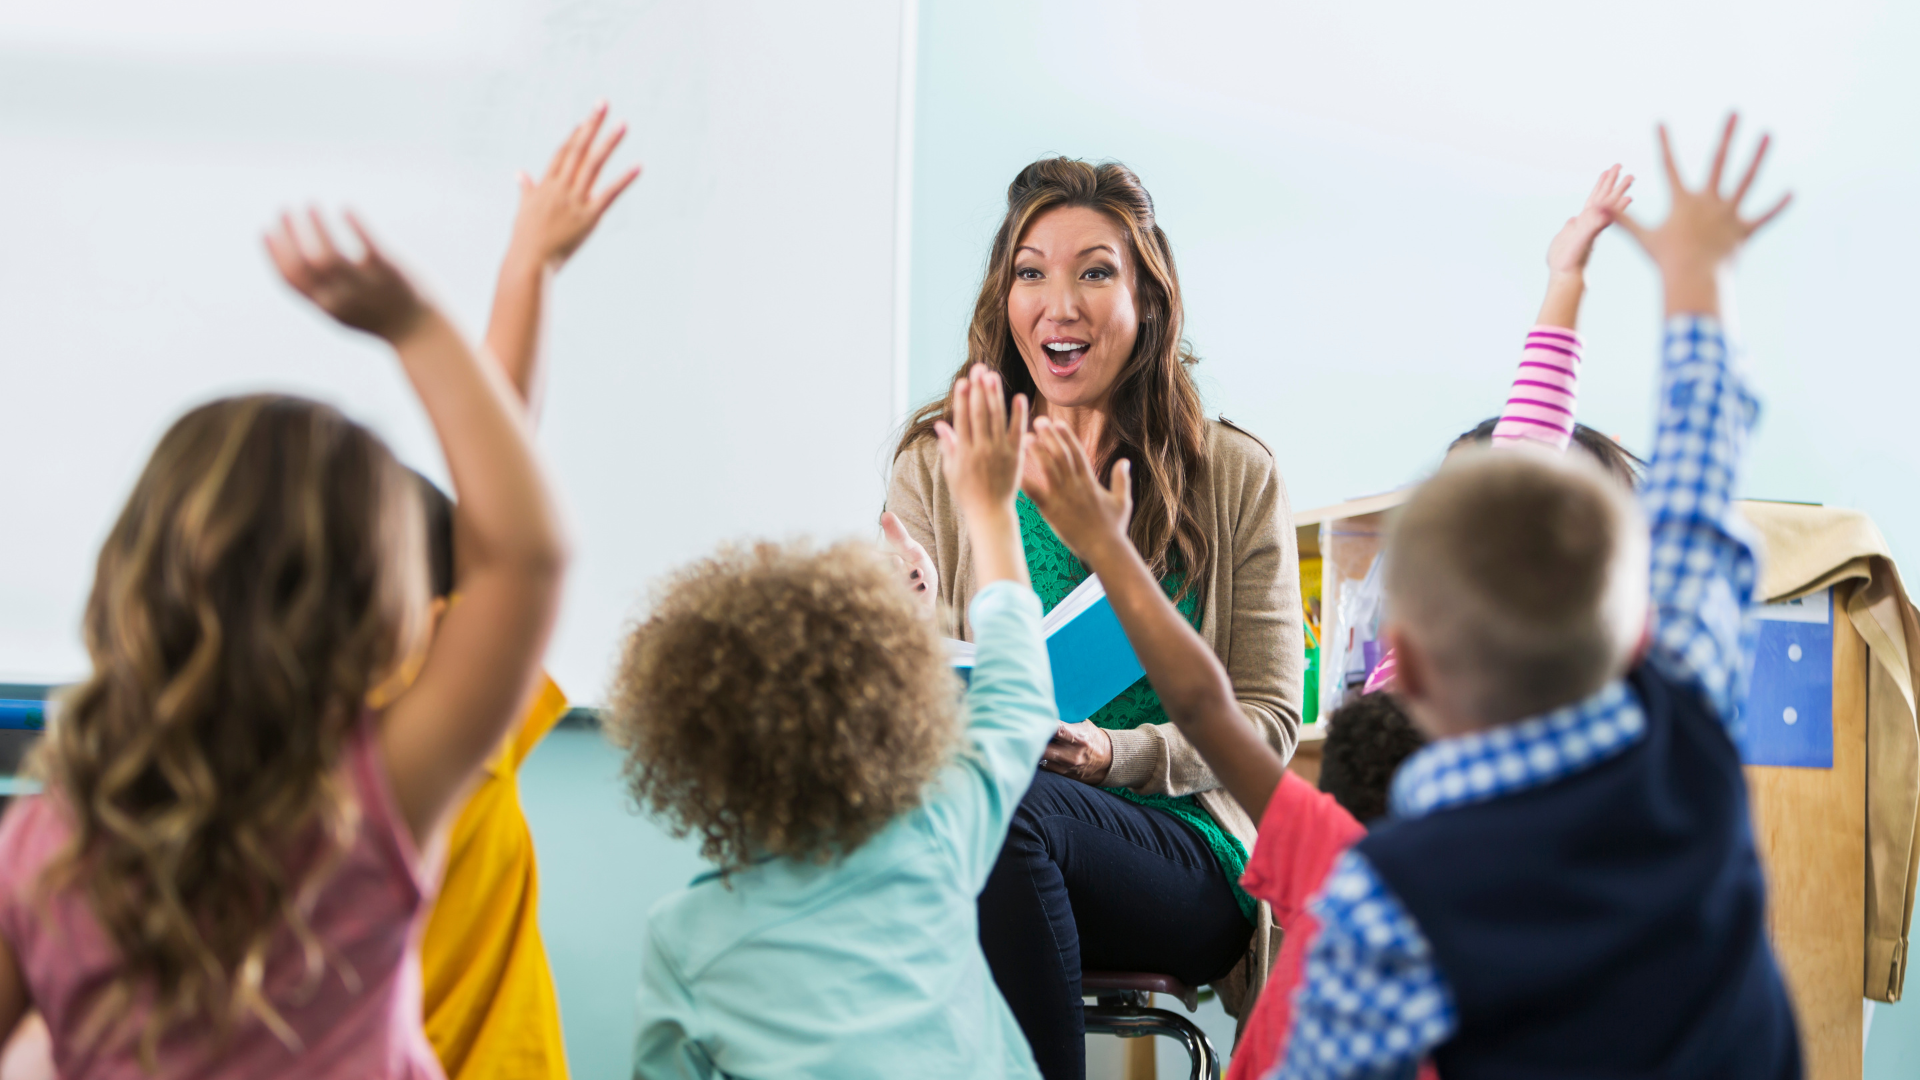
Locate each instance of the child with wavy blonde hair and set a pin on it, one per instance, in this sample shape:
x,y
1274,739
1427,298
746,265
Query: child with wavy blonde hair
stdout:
x,y
226,871
794,708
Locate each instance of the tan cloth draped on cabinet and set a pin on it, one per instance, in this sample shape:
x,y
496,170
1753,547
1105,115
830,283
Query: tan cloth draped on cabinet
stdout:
x,y
1808,548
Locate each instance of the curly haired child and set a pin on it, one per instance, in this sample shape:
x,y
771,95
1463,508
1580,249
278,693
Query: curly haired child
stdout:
x,y
233,852
793,707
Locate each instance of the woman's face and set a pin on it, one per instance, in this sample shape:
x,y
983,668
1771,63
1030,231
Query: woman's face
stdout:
x,y
1071,307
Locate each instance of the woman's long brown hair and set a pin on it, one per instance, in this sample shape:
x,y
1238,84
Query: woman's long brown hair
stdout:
x,y
1154,414
258,584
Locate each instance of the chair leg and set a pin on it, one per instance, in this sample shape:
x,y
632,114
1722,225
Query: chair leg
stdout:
x,y
1133,1021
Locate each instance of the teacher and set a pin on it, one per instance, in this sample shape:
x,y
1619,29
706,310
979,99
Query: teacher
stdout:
x,y
1125,855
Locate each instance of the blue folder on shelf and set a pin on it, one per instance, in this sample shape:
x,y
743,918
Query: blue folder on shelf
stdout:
x,y
1092,659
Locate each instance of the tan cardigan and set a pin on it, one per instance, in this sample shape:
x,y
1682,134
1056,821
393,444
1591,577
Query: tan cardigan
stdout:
x,y
1251,617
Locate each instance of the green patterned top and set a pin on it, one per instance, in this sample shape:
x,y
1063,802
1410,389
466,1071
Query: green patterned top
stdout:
x,y
1056,571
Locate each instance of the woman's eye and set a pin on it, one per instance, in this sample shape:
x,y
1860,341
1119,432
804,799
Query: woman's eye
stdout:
x,y
1098,273
1027,273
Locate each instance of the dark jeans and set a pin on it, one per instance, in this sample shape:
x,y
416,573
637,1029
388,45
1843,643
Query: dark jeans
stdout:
x,y
1088,880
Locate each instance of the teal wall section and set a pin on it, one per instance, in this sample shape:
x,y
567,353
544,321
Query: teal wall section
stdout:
x,y
601,867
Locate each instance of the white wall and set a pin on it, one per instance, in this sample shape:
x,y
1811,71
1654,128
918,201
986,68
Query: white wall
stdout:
x,y
721,350
1360,197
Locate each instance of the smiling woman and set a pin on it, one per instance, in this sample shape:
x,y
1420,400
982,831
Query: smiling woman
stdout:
x,y
1125,854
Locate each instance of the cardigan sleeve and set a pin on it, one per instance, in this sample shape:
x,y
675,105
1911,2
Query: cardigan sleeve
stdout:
x,y
1254,608
917,495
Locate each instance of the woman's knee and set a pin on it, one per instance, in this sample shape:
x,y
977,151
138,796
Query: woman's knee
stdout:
x,y
1048,797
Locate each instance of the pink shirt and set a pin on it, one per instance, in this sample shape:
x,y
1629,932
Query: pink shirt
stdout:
x,y
1539,410
368,912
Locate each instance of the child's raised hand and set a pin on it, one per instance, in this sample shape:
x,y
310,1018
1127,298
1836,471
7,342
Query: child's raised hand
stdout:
x,y
1573,244
981,448
1060,481
560,210
1704,229
367,293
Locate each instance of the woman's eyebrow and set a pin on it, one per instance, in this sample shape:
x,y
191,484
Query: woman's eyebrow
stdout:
x,y
1108,248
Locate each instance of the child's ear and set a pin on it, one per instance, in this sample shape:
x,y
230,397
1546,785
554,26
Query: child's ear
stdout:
x,y
1411,678
1645,644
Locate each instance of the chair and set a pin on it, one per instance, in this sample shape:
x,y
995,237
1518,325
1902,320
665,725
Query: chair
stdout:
x,y
1123,1009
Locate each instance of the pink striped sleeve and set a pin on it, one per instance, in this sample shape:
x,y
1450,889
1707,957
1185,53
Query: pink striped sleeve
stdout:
x,y
1384,674
1539,408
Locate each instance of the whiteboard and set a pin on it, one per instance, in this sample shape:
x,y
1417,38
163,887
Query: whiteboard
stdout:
x,y
721,352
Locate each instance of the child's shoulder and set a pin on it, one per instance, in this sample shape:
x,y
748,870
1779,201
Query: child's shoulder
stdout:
x,y
1301,834
33,828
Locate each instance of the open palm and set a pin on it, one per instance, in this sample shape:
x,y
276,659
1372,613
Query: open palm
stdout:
x,y
1573,245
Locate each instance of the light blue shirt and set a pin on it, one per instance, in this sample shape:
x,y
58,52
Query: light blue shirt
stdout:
x,y
869,966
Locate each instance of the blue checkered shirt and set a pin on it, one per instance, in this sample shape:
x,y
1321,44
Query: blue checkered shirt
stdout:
x,y
1374,1003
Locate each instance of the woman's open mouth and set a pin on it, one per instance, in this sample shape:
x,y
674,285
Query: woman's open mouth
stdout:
x,y
1064,356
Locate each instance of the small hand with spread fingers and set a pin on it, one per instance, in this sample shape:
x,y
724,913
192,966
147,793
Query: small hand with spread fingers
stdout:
x,y
560,210
367,293
1704,229
1572,246
1061,483
981,447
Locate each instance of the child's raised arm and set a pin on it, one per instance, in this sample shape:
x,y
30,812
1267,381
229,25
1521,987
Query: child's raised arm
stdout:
x,y
1193,686
1702,565
1540,407
557,214
487,648
1540,404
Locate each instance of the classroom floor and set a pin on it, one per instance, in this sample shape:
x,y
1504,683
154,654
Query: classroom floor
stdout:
x,y
602,866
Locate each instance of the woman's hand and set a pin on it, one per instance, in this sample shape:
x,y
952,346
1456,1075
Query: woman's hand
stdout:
x,y
912,558
1573,245
1082,751
560,210
368,293
1060,481
1703,230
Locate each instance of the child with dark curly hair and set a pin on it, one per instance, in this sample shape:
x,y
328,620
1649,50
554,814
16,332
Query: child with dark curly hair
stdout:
x,y
795,709
1367,739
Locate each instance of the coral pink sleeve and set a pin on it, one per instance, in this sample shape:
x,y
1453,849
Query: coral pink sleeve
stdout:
x,y
1540,406
1303,831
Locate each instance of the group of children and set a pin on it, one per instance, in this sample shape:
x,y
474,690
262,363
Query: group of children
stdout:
x,y
313,681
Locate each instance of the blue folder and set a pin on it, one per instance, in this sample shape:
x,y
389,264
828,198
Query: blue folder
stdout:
x,y
1787,718
1092,660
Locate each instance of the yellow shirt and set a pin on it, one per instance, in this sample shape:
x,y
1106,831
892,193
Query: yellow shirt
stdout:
x,y
489,1003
